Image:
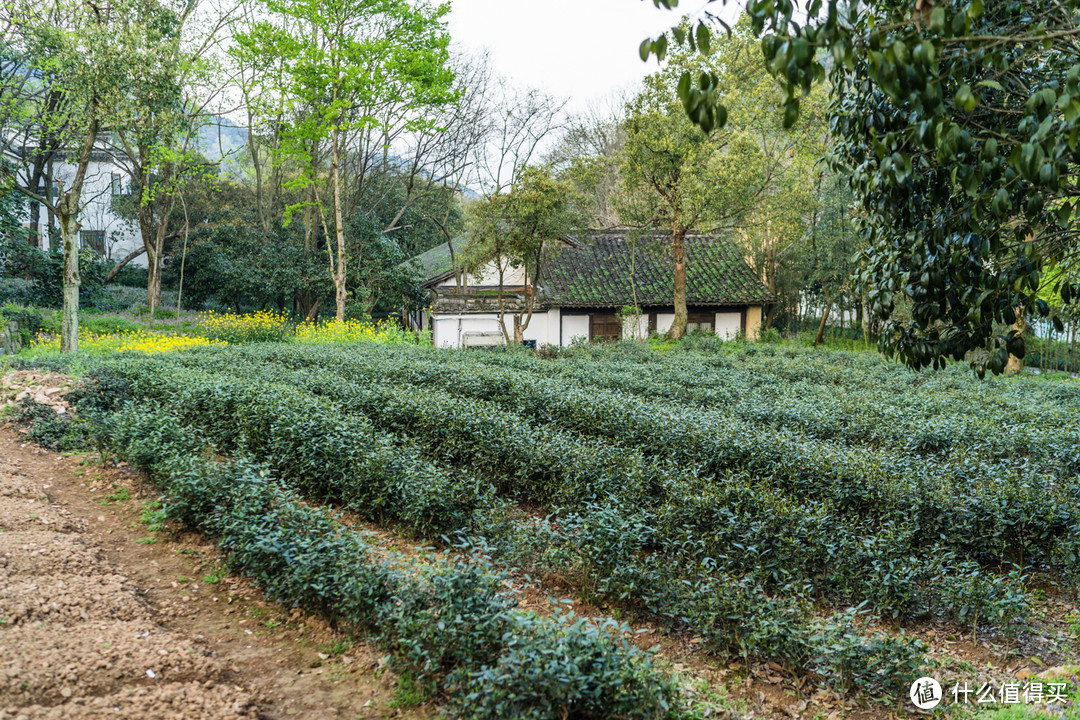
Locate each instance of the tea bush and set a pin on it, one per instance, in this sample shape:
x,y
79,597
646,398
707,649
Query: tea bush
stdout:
x,y
751,494
330,455
449,623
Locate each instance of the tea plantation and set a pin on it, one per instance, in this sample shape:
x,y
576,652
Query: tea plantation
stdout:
x,y
779,504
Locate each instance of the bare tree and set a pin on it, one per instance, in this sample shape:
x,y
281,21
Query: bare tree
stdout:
x,y
521,122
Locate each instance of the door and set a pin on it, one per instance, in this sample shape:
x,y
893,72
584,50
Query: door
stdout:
x,y
604,328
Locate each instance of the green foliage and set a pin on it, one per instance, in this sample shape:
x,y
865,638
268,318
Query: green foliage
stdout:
x,y
443,623
959,149
382,277
52,431
340,457
98,325
45,272
232,263
408,693
119,494
153,516
726,489
516,230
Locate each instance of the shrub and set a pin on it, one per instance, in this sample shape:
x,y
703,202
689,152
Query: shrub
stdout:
x,y
48,429
452,625
351,331
262,326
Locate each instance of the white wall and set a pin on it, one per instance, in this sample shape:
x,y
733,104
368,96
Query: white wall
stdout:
x,y
553,325
537,330
451,331
664,322
574,326
489,276
728,324
121,237
642,331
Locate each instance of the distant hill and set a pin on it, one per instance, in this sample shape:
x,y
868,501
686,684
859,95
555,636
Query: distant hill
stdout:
x,y
224,139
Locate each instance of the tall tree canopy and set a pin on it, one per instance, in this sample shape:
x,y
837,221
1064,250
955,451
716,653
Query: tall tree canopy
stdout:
x,y
72,71
355,75
957,122
678,178
516,230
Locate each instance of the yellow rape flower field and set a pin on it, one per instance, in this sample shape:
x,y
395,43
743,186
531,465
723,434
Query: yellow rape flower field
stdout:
x,y
262,326
216,329
351,331
143,342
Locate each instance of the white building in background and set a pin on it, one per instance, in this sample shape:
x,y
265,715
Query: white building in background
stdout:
x,y
103,230
585,282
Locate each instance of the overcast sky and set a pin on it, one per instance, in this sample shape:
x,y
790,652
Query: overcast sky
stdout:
x,y
582,50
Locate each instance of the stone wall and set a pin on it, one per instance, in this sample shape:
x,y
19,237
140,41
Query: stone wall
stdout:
x,y
10,337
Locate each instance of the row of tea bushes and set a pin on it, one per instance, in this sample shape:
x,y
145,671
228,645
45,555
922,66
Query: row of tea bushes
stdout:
x,y
996,511
880,406
454,625
738,524
282,426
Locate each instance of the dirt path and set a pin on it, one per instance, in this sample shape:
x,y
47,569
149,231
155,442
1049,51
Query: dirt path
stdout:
x,y
101,617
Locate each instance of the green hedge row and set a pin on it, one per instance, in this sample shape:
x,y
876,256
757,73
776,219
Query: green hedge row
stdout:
x,y
843,397
996,512
453,624
742,526
281,425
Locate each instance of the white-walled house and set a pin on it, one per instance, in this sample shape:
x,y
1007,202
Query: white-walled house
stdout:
x,y
102,230
586,281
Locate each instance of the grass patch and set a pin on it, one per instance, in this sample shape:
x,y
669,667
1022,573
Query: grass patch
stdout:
x,y
409,693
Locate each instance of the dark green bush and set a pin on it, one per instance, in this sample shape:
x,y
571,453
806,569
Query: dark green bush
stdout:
x,y
50,430
447,623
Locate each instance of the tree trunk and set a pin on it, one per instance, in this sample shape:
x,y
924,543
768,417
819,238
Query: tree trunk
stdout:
x,y
303,303
35,224
253,148
69,326
502,304
678,253
311,218
36,175
821,326
156,242
147,231
770,273
770,314
1015,366
67,208
115,270
340,293
153,283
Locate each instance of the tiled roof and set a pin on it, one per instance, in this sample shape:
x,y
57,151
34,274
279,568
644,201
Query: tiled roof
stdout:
x,y
596,271
435,263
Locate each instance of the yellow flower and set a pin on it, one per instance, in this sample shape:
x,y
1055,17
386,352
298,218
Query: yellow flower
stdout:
x,y
351,331
265,325
141,341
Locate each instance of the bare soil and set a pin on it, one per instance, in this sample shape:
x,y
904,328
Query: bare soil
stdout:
x,y
99,617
